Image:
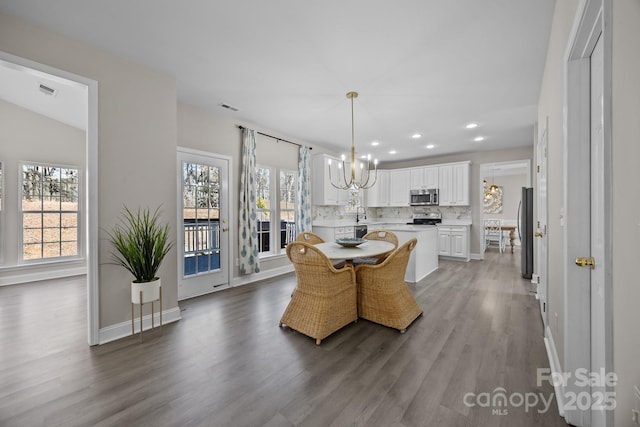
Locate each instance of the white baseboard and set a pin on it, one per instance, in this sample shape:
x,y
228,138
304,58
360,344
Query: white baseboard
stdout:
x,y
556,369
255,277
24,276
121,330
477,257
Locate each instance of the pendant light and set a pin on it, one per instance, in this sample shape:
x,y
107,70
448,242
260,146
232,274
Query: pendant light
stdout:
x,y
352,183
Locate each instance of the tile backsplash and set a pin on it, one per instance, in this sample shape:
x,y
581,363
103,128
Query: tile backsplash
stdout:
x,y
339,212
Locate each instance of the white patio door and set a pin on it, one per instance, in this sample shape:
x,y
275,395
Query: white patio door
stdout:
x,y
203,223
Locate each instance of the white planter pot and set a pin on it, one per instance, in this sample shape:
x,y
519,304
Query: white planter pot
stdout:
x,y
150,291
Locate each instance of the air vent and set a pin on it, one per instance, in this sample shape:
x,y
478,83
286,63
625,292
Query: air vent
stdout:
x,y
47,90
229,107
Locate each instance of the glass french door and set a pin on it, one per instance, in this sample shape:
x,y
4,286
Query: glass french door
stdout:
x,y
203,223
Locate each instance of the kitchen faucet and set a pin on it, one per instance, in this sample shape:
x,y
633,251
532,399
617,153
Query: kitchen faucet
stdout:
x,y
364,213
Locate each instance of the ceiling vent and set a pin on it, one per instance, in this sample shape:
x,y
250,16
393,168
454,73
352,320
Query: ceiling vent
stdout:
x,y
47,90
229,107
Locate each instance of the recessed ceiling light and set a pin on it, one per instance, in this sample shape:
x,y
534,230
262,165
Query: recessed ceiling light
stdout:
x,y
430,146
478,138
374,143
416,136
471,125
364,156
392,152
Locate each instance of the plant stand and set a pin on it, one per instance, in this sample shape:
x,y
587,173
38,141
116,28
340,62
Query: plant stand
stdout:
x,y
141,296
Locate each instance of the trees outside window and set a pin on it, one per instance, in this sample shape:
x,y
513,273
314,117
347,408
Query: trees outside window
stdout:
x,y
50,212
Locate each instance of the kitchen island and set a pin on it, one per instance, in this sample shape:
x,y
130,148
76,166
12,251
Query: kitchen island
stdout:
x,y
424,258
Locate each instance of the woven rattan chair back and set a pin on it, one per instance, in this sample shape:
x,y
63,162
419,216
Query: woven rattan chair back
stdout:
x,y
384,235
383,295
325,297
309,237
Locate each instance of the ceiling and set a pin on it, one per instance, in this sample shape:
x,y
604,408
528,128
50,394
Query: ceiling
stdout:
x,y
420,66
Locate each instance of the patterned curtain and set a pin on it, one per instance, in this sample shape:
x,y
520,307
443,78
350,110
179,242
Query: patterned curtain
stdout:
x,y
303,193
248,226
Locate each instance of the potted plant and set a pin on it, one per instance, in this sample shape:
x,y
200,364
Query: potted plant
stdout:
x,y
141,243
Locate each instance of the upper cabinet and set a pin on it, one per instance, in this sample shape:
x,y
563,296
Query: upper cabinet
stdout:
x,y
423,178
399,187
378,195
323,192
453,182
392,185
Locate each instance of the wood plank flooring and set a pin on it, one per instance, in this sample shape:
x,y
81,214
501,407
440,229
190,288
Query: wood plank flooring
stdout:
x,y
227,363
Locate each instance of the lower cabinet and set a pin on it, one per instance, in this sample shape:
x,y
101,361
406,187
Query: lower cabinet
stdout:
x,y
454,242
330,233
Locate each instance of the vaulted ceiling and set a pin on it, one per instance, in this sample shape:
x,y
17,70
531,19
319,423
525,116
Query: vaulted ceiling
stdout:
x,y
420,66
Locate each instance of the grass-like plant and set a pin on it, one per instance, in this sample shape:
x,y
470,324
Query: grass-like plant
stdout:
x,y
141,243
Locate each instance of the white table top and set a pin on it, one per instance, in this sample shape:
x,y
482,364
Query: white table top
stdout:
x,y
368,249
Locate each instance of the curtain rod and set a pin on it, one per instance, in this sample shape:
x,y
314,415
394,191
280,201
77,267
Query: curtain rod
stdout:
x,y
276,138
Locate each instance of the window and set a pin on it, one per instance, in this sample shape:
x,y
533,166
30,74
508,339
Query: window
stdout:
x,y
50,212
201,218
268,213
288,180
263,205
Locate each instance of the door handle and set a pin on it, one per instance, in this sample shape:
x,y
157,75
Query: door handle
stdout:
x,y
538,234
225,228
583,262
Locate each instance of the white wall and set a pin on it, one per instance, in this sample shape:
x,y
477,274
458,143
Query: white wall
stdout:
x,y
550,106
626,203
511,194
136,135
28,136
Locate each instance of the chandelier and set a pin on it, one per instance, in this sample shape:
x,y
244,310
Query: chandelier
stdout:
x,y
493,187
361,181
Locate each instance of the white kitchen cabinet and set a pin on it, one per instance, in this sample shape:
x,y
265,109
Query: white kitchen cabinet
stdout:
x,y
454,184
454,241
399,187
431,177
423,178
378,195
416,178
331,233
323,193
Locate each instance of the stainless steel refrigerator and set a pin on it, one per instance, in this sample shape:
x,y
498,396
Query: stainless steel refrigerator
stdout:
x,y
525,232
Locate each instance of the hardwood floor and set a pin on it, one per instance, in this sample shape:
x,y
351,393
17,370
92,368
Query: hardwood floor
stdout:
x,y
227,363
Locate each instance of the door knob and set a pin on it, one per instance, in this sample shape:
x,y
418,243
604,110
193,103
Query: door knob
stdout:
x,y
225,228
583,262
538,234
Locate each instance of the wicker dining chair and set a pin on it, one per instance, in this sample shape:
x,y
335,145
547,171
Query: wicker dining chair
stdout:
x,y
309,237
384,235
325,297
383,295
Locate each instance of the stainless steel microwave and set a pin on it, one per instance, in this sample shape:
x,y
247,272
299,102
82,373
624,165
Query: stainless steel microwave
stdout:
x,y
424,197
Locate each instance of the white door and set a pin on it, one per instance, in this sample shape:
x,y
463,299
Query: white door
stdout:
x,y
597,229
587,290
541,226
203,223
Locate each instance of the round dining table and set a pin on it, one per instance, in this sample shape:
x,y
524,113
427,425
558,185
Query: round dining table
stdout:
x,y
368,249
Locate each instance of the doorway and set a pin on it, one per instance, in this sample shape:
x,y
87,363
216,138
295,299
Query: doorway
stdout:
x,y
509,177
89,215
203,221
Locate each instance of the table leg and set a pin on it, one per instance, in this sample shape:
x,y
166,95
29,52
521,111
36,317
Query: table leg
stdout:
x,y
512,238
